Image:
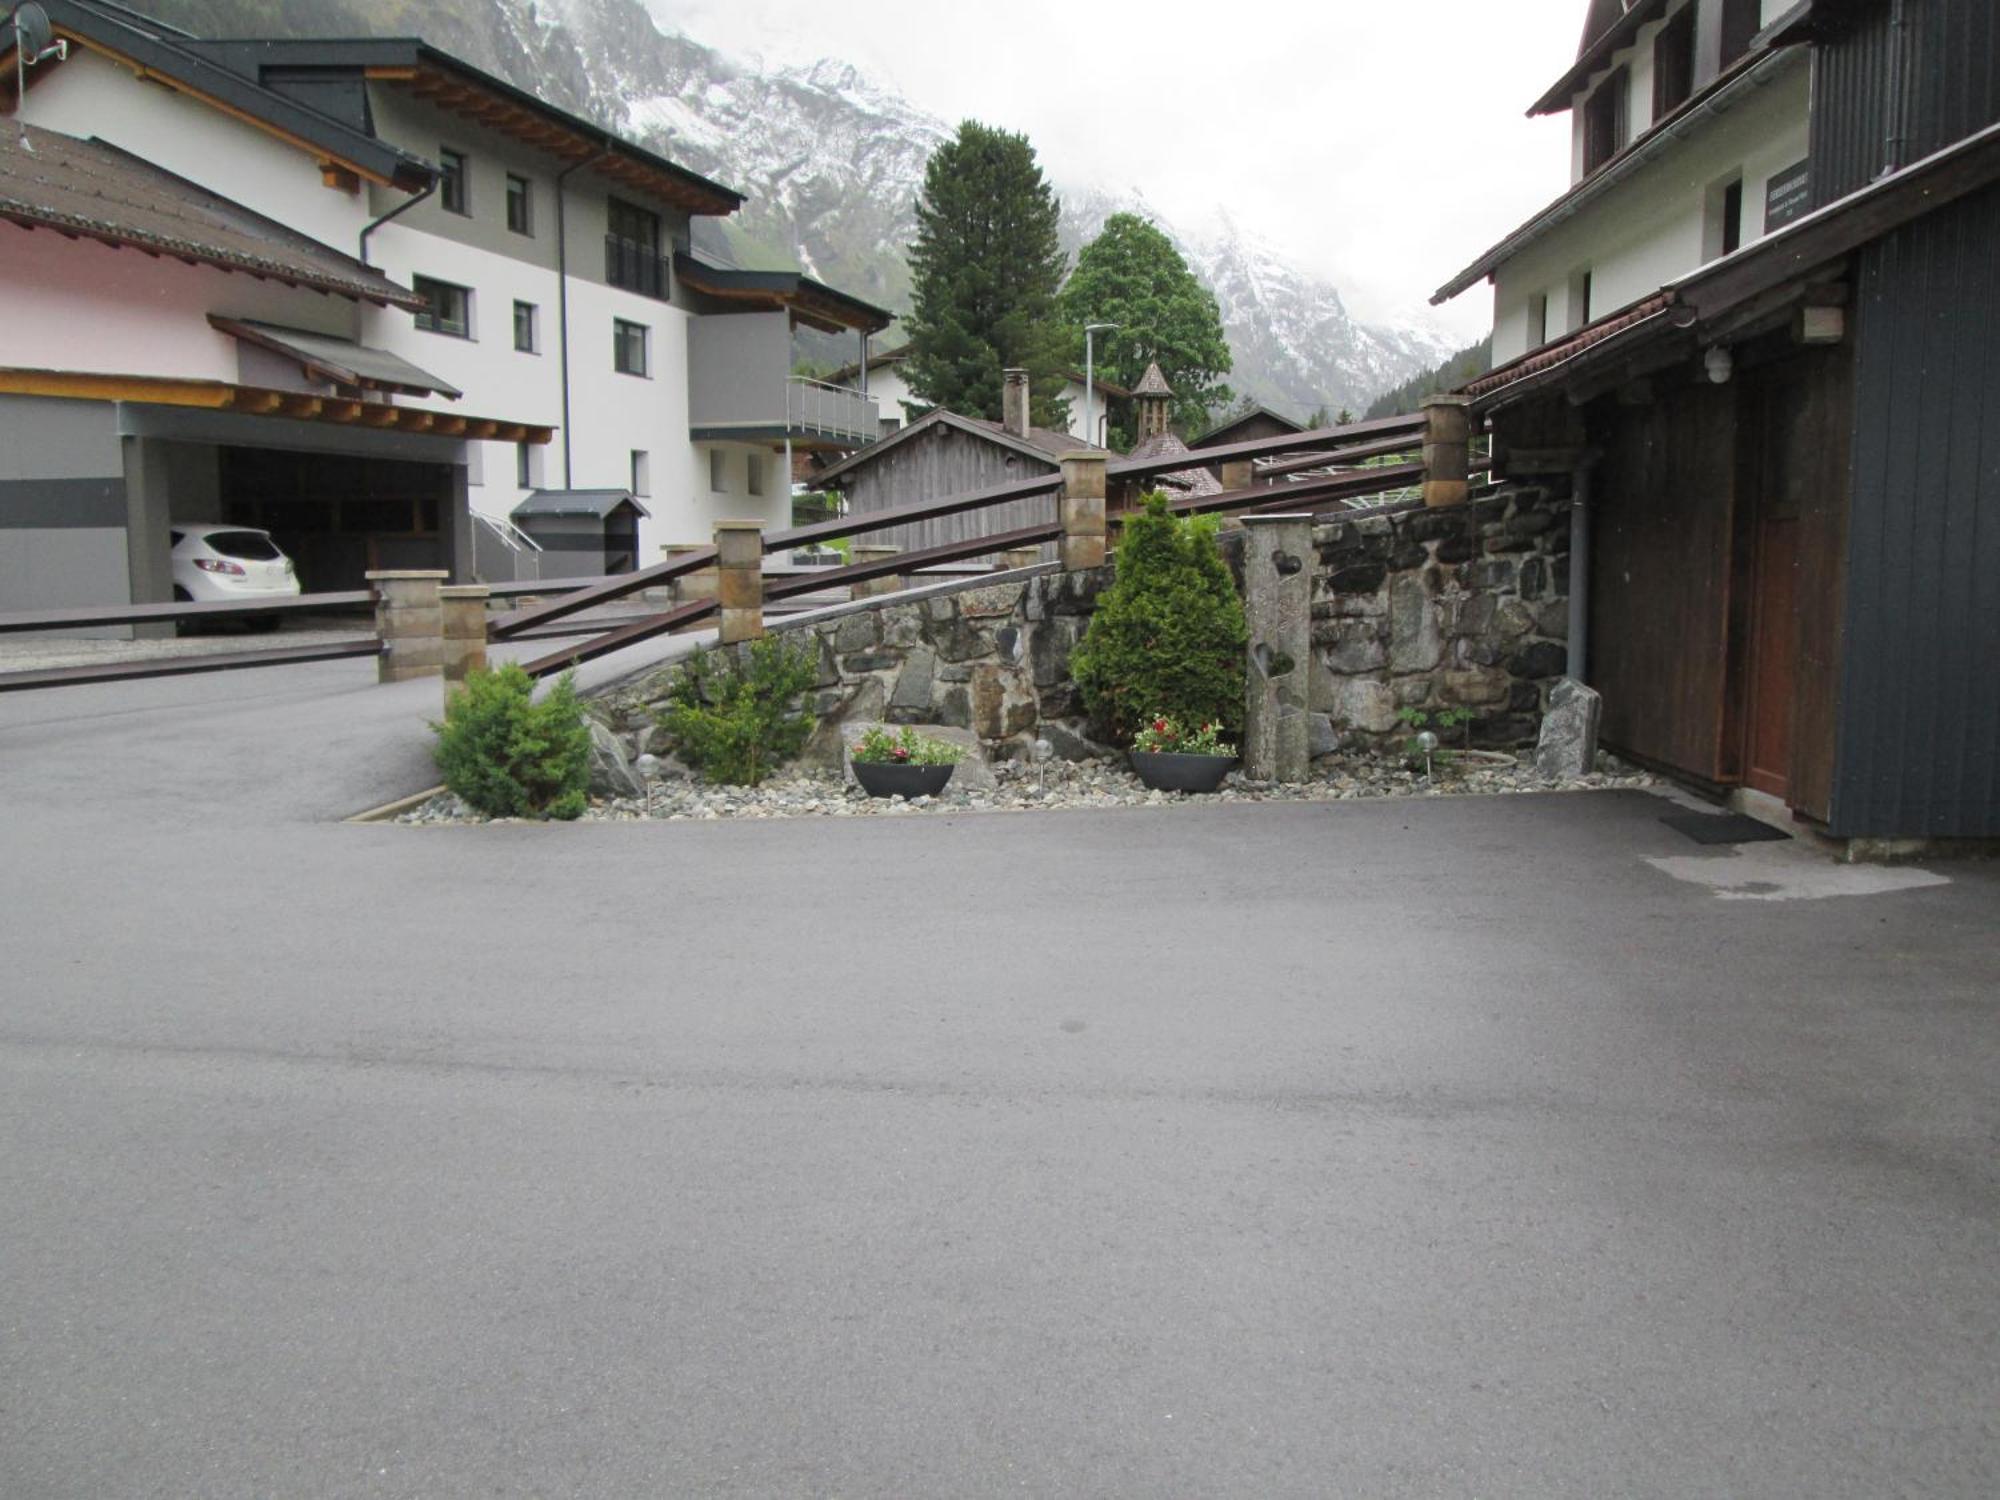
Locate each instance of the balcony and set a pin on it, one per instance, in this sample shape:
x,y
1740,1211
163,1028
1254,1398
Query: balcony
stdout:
x,y
634,267
741,386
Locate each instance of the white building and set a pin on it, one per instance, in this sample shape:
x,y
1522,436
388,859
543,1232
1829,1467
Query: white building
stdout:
x,y
1688,140
509,260
900,406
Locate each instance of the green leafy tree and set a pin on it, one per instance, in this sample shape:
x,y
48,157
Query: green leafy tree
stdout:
x,y
508,756
1168,635
984,272
1132,275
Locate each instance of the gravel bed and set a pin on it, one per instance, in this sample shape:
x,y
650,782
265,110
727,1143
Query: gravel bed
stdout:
x,y
1064,784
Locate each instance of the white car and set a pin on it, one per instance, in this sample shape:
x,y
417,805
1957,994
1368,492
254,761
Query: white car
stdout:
x,y
236,563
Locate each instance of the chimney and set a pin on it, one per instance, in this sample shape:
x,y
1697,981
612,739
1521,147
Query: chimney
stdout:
x,y
1014,402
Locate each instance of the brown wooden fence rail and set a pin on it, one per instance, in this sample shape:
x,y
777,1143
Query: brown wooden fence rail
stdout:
x,y
1321,448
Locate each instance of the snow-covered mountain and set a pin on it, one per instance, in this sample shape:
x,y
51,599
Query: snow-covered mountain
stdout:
x,y
832,164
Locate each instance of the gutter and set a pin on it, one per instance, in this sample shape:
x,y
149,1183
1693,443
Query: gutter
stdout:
x,y
562,304
401,208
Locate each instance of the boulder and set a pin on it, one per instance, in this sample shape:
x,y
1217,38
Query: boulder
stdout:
x,y
611,773
1320,736
973,774
1567,747
1071,742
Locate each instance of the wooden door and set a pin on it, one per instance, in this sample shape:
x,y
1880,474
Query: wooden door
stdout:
x,y
1774,654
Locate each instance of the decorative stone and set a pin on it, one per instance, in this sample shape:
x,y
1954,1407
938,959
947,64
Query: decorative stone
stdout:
x,y
1364,704
1567,747
1475,686
1277,606
1416,642
1320,736
1003,701
910,703
1542,659
1357,646
1069,741
611,773
857,632
866,702
871,661
1000,599
1049,647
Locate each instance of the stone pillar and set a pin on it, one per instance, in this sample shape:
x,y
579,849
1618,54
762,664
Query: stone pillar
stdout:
x,y
739,557
1447,449
463,606
1017,557
868,588
1081,505
409,619
1277,603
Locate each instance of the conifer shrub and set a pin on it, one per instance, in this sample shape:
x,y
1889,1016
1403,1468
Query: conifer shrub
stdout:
x,y
1168,636
508,756
735,715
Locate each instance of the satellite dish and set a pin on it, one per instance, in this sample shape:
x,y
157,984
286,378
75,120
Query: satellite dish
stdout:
x,y
32,32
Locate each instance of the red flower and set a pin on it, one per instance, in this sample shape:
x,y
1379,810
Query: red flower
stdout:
x,y
899,753
1159,726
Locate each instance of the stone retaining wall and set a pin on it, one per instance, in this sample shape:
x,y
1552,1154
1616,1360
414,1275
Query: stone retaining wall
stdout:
x,y
1466,607
1429,609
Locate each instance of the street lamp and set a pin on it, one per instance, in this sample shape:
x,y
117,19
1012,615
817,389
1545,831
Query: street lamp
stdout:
x,y
1090,331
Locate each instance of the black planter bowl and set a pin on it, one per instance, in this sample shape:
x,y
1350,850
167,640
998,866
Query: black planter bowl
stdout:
x,y
1166,771
888,778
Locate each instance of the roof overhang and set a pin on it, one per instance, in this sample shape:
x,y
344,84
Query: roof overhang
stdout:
x,y
342,361
811,302
576,504
222,395
1717,301
1598,54
155,53
1753,71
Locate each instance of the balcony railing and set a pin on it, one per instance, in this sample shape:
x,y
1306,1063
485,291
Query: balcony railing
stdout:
x,y
815,406
634,267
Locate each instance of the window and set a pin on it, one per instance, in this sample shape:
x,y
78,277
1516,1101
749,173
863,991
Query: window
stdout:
x,y
718,473
1538,320
1607,119
1673,63
628,347
642,472
520,205
632,249
525,466
451,182
1740,22
1578,312
1722,218
450,309
754,473
525,331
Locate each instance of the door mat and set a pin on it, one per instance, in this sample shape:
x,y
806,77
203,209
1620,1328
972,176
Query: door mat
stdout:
x,y
1721,828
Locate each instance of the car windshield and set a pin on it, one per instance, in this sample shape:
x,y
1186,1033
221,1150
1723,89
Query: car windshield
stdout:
x,y
251,546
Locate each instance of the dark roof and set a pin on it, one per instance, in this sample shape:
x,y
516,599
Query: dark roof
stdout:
x,y
1751,70
453,84
812,301
340,360
597,503
1228,430
1706,299
1097,382
171,57
852,368
89,189
1040,443
1195,481
1152,383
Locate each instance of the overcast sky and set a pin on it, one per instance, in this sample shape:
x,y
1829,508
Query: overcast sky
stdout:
x,y
1382,143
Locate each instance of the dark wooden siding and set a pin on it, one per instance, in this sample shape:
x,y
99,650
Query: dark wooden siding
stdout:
x,y
1948,64
1920,704
945,461
1660,586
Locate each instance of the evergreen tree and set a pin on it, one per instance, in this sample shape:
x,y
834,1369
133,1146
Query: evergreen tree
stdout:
x,y
1468,364
1132,275
984,274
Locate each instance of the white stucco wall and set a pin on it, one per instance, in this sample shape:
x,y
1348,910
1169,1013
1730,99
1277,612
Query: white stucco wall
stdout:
x,y
1649,230
92,96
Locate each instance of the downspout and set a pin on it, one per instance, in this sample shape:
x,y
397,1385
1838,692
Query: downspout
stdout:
x,y
401,208
562,304
1579,571
1896,106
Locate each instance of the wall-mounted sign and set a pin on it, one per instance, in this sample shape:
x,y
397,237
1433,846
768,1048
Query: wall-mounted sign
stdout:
x,y
1787,196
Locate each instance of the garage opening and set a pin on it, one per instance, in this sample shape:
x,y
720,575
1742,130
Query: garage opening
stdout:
x,y
338,517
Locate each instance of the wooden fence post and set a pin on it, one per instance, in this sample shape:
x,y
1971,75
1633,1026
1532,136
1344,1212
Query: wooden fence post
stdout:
x,y
409,619
1081,506
739,559
1447,449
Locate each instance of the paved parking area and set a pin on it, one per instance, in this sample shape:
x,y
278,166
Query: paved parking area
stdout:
x,y
1414,1148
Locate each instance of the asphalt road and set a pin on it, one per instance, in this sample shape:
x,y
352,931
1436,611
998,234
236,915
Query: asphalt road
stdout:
x,y
1370,1149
